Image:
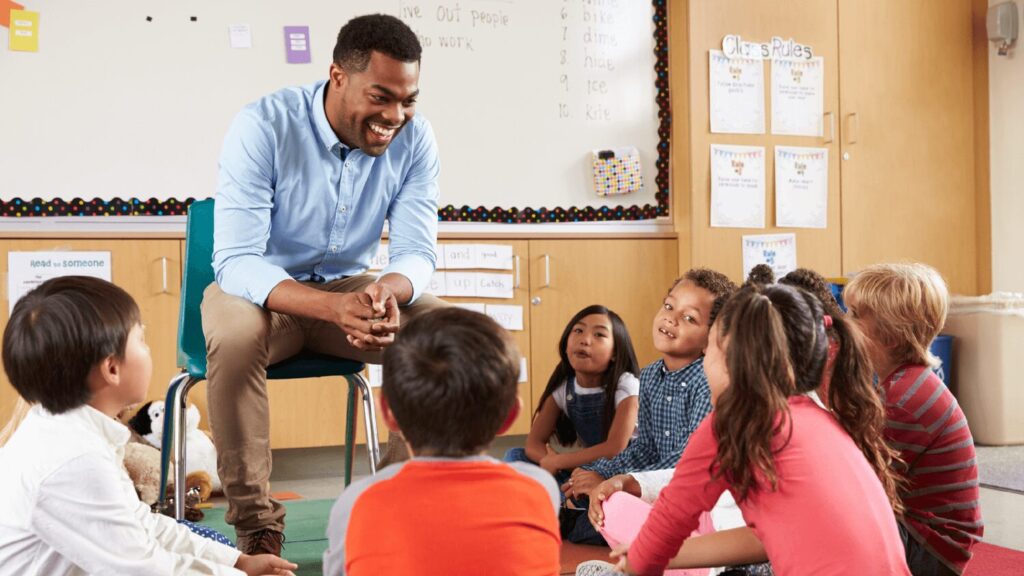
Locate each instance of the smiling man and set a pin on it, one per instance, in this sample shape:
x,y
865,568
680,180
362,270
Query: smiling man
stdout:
x,y
308,176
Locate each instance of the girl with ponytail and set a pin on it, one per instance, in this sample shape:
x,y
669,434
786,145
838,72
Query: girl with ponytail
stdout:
x,y
813,485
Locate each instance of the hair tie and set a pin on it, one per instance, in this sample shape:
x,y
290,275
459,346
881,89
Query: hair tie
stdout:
x,y
828,320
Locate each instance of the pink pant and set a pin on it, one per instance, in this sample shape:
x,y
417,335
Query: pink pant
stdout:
x,y
624,514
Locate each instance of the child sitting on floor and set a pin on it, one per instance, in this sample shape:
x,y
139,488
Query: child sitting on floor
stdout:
x,y
901,308
74,347
449,385
591,396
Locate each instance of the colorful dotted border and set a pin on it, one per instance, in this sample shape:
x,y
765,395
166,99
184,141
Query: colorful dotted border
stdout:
x,y
37,207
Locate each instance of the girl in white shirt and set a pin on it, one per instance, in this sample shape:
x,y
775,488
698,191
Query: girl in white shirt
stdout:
x,y
591,399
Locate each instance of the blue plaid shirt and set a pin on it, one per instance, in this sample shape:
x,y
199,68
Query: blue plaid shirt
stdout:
x,y
672,405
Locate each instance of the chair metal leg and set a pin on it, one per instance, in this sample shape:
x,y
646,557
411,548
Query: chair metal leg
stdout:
x,y
168,434
370,418
177,399
350,431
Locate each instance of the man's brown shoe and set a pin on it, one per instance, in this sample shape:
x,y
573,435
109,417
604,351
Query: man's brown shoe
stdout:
x,y
264,541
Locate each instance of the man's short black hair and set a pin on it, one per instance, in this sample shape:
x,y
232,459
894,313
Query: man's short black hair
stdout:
x,y
58,332
375,33
450,379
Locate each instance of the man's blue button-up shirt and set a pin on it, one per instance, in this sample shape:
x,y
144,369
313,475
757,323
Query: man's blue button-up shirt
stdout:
x,y
294,202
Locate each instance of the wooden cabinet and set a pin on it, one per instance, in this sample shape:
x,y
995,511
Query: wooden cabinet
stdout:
x,y
553,280
810,22
149,270
899,93
907,109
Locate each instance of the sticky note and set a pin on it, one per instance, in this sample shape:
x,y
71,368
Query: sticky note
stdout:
x,y
24,33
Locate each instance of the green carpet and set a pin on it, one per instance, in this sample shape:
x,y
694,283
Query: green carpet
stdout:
x,y
305,528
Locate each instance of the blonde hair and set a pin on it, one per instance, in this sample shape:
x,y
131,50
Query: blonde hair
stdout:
x,y
20,411
909,303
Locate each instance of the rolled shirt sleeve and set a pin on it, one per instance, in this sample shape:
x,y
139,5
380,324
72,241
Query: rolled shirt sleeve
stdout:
x,y
412,216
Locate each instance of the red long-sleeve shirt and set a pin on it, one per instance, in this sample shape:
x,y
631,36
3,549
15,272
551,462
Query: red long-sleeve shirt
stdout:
x,y
828,516
930,430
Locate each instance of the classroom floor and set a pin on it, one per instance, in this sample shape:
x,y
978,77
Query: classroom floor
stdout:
x,y
316,473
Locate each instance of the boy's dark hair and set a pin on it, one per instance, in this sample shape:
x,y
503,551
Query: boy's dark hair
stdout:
x,y
450,380
375,33
713,281
760,274
623,360
816,284
58,332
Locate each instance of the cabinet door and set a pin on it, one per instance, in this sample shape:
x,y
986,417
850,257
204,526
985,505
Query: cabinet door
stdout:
x,y
150,270
520,298
629,276
809,22
907,128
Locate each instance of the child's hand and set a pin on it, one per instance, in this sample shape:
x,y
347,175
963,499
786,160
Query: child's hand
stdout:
x,y
581,483
622,565
599,495
264,565
550,460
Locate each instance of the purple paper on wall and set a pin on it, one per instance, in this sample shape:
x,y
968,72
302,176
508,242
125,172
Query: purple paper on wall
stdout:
x,y
296,44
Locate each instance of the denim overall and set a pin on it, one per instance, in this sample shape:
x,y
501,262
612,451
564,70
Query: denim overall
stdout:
x,y
586,411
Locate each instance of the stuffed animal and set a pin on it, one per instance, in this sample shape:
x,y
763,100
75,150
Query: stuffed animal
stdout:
x,y
141,461
201,456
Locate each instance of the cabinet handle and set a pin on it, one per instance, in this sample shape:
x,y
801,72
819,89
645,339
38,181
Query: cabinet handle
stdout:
x,y
854,127
515,262
831,127
163,265
547,270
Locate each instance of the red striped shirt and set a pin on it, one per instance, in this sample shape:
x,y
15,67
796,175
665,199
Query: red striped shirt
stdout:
x,y
927,426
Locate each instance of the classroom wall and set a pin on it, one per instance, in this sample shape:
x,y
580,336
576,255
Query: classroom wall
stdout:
x,y
1006,119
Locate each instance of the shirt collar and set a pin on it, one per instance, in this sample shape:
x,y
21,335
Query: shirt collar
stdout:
x,y
665,371
109,429
323,127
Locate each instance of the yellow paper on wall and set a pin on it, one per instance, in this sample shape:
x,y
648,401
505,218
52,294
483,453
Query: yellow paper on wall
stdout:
x,y
24,33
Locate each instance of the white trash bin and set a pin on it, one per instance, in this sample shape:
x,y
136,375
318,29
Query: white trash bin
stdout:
x,y
988,356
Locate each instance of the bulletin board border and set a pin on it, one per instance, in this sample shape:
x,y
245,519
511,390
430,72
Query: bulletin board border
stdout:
x,y
39,208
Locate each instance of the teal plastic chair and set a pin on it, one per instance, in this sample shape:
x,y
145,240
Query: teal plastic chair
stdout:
x,y
192,358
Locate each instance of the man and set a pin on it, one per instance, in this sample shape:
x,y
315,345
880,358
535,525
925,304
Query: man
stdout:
x,y
308,175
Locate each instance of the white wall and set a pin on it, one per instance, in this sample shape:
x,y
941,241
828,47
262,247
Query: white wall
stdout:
x,y
1006,110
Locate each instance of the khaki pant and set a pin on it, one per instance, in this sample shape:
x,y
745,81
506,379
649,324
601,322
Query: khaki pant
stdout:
x,y
242,339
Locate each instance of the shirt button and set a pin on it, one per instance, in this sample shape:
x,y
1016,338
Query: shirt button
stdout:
x,y
669,398
667,433
334,248
343,209
684,384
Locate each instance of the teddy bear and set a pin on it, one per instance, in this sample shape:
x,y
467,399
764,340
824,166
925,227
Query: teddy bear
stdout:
x,y
142,462
201,455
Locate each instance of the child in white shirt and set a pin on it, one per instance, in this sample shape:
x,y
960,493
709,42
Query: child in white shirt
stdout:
x,y
74,348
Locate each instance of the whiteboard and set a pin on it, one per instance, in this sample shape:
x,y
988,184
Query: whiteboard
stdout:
x,y
131,98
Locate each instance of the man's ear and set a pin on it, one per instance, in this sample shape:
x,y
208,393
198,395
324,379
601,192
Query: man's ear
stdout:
x,y
513,413
338,76
388,416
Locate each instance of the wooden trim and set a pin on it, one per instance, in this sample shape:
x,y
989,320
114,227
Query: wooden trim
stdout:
x,y
679,82
99,235
107,235
982,144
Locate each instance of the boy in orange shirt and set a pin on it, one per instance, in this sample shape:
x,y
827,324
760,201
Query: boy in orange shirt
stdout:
x,y
449,387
